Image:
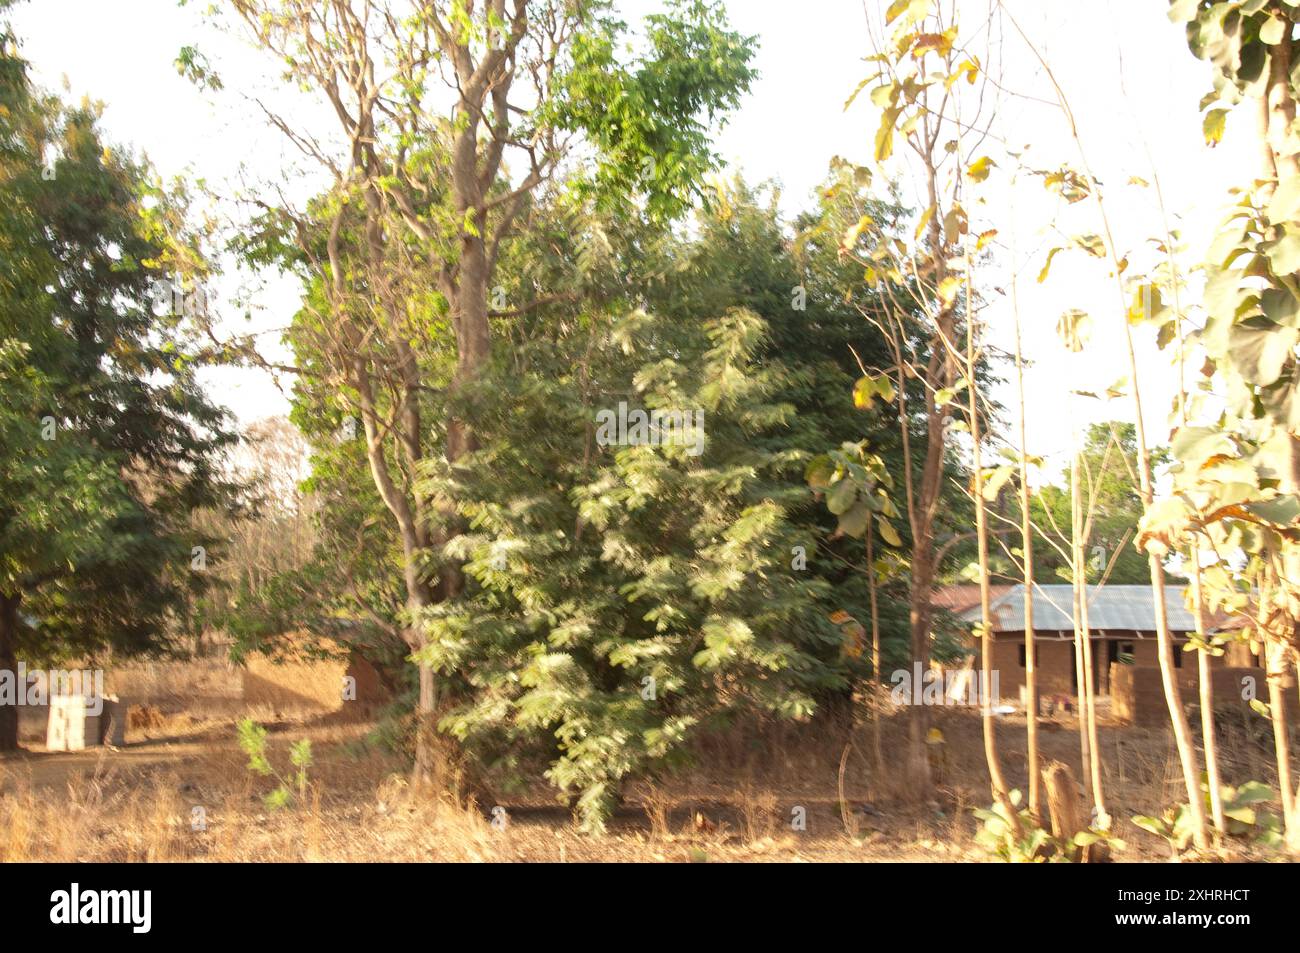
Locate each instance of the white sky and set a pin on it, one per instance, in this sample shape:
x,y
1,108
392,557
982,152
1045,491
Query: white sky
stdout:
x,y
810,57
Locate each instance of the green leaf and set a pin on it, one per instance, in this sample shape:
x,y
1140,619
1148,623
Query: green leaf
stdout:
x,y
1284,254
820,472
300,753
1094,245
1195,445
1281,307
1253,792
1152,824
1258,349
841,496
1282,511
854,523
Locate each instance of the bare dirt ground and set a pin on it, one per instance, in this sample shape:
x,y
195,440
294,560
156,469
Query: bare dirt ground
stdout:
x,y
181,790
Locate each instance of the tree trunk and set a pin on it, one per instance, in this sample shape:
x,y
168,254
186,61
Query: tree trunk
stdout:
x,y
1063,804
1079,579
425,773
1101,817
1276,661
9,664
996,779
918,718
1203,671
876,674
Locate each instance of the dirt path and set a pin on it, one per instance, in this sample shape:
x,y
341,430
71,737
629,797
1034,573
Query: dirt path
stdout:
x,y
40,769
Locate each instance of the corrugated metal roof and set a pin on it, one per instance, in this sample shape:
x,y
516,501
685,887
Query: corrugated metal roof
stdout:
x,y
1109,607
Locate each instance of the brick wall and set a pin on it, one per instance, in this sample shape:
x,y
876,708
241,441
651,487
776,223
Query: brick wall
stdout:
x,y
1138,694
1055,661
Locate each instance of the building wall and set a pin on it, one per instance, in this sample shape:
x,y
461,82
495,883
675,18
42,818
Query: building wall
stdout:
x,y
1054,665
1055,660
1139,696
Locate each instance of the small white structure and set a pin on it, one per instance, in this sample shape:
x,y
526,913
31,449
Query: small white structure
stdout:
x,y
77,722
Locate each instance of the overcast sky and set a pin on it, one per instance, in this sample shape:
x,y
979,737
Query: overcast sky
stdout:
x,y
1133,85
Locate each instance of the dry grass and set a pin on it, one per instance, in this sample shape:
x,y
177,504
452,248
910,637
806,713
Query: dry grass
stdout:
x,y
186,794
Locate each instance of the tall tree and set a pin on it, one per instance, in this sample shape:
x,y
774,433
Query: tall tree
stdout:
x,y
1238,473
918,69
107,444
451,116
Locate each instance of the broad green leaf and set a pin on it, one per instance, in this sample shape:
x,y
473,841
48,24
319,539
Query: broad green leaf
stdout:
x,y
1092,244
841,497
907,12
820,471
1258,349
1193,446
1281,307
854,522
1284,254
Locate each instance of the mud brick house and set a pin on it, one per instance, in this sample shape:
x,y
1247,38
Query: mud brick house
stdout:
x,y
1122,627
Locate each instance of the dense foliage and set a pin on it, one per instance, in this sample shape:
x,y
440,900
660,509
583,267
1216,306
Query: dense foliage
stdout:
x,y
107,443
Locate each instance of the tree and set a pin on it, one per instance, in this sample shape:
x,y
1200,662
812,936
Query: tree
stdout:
x,y
107,444
401,254
1237,478
625,597
918,69
1113,508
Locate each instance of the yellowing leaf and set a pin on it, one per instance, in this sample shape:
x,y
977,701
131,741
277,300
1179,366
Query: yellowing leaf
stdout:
x,y
1047,265
1213,126
1075,329
948,289
1092,244
926,217
979,169
910,11
885,134
884,95
853,232
968,68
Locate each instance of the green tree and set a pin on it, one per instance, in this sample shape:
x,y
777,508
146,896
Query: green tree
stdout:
x,y
1112,500
107,445
405,300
